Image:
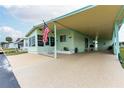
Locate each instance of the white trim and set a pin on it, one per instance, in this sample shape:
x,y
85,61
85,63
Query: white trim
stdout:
x,y
55,37
65,52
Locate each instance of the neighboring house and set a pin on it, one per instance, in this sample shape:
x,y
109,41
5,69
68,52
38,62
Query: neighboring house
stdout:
x,y
68,42
8,45
87,29
4,45
21,43
12,45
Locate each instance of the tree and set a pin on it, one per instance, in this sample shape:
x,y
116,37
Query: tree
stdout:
x,y
9,39
2,44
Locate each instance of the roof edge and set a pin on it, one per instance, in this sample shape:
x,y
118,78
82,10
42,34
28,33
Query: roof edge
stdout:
x,y
72,13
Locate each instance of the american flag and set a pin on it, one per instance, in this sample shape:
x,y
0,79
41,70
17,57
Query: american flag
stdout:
x,y
46,31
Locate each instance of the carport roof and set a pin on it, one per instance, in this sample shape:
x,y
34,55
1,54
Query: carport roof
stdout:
x,y
90,20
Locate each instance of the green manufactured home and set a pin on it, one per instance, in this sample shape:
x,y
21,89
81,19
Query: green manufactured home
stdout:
x,y
92,28
68,42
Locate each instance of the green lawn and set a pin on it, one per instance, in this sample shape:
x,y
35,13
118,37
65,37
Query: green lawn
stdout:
x,y
122,55
13,51
122,52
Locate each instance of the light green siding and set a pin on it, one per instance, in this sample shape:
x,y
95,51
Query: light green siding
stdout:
x,y
79,42
104,44
69,40
46,49
39,49
74,40
32,49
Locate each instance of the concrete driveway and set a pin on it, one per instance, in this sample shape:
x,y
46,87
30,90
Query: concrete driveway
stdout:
x,y
78,70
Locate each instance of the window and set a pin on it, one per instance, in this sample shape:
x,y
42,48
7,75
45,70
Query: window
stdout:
x,y
63,38
26,43
40,40
86,42
52,41
32,41
29,41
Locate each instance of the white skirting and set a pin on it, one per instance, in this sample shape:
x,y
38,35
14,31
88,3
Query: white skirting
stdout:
x,y
65,52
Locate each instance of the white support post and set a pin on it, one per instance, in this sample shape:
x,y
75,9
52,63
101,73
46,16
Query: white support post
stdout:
x,y
117,42
55,46
96,43
36,41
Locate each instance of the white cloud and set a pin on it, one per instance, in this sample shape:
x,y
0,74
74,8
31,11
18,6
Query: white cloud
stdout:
x,y
36,13
9,31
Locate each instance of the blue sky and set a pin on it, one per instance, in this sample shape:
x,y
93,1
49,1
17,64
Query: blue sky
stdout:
x,y
10,22
16,21
6,19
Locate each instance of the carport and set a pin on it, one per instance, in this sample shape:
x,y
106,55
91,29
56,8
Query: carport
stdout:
x,y
101,23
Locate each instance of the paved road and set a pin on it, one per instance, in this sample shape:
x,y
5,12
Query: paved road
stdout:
x,y
7,78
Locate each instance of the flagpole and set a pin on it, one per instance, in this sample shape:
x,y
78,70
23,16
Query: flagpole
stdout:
x,y
55,47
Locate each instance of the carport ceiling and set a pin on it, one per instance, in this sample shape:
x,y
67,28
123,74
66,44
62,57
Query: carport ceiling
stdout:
x,y
97,20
